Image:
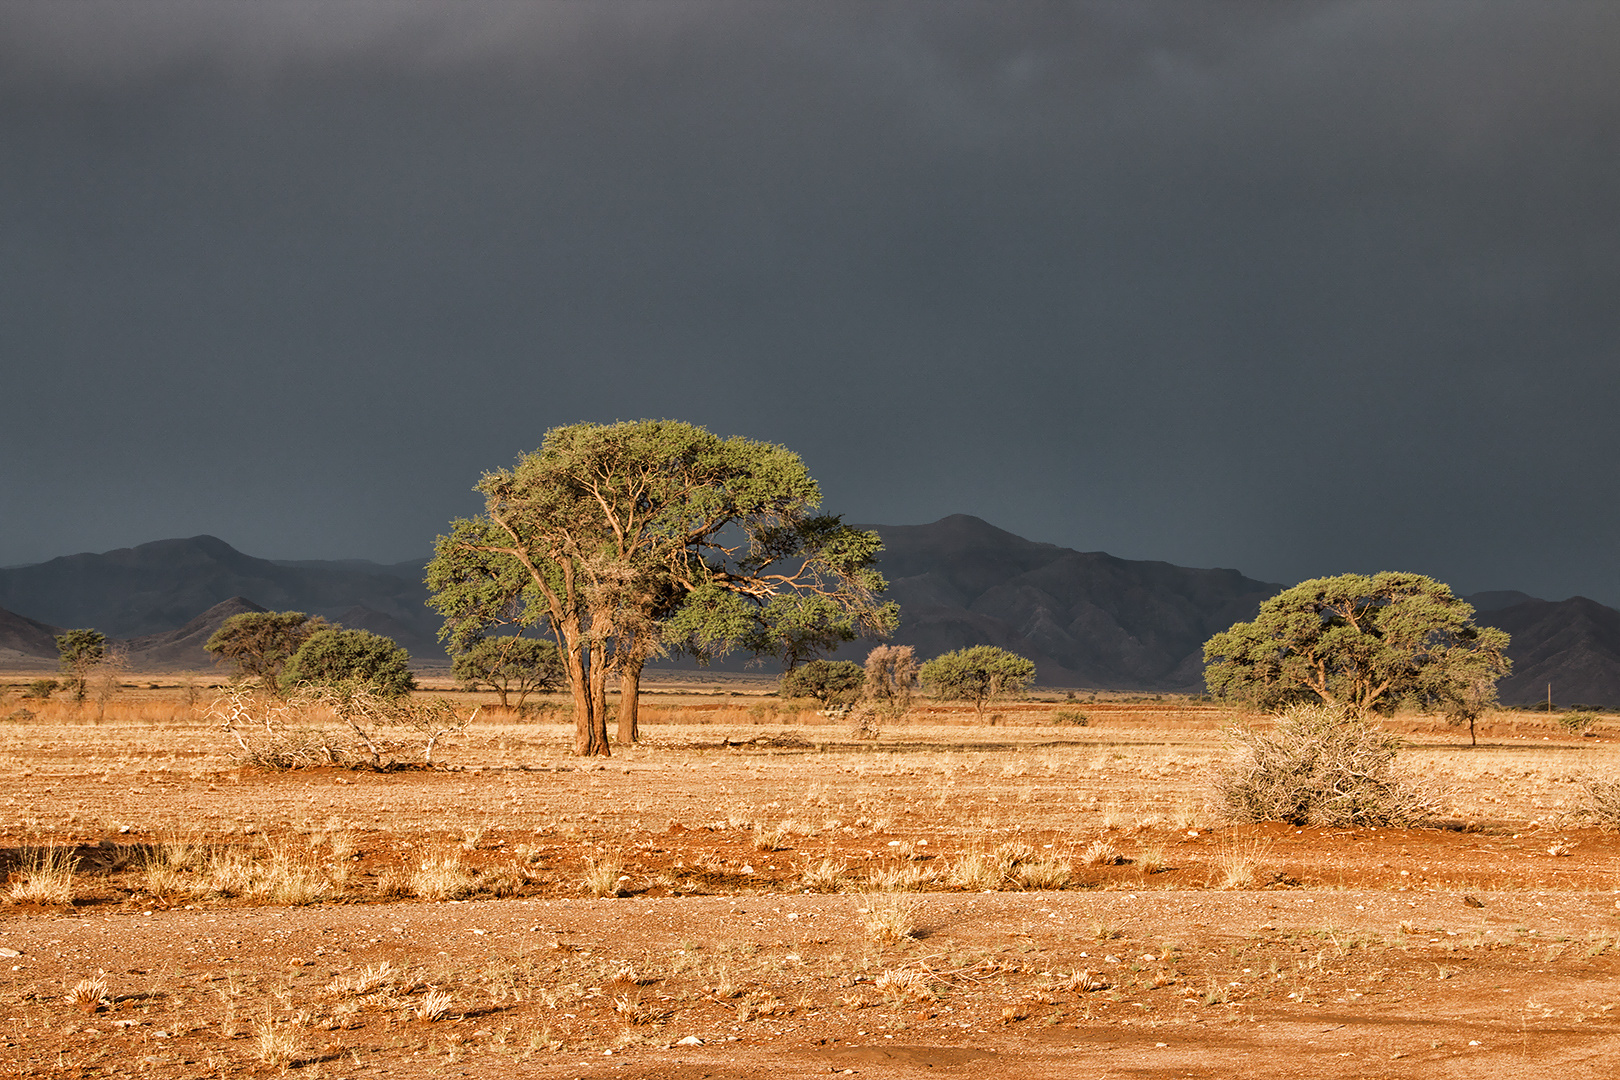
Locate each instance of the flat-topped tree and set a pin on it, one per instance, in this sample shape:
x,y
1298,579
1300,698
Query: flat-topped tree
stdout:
x,y
609,533
260,643
1360,643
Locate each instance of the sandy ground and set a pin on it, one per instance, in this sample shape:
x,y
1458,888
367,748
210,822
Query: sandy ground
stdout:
x,y
756,930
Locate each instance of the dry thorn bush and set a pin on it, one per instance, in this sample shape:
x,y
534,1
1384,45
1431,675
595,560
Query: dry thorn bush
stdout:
x,y
1319,767
1600,799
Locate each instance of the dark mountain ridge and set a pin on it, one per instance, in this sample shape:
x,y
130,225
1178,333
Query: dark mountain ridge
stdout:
x,y
1087,619
161,586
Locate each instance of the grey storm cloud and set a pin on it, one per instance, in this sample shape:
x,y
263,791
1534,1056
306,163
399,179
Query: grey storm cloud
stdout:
x,y
1297,288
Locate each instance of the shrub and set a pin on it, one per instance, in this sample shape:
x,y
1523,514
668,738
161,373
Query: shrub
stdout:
x,y
1577,723
41,689
1602,802
831,682
331,657
1318,766
1071,717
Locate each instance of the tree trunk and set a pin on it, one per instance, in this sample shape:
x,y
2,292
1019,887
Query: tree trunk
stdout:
x,y
629,702
593,740
587,719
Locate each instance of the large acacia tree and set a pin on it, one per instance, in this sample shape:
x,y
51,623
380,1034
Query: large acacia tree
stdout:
x,y
1362,643
625,538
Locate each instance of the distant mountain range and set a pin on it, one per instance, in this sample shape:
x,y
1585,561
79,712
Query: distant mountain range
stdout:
x,y
165,599
1087,619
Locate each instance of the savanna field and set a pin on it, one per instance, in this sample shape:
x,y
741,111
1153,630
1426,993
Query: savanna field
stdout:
x,y
1044,890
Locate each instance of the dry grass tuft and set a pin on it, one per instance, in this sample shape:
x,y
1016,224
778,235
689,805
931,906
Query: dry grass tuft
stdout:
x,y
1100,853
891,917
278,1045
903,986
434,1006
47,876
442,877
603,877
1239,861
826,876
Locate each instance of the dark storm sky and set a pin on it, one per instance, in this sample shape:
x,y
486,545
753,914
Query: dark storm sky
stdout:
x,y
1298,288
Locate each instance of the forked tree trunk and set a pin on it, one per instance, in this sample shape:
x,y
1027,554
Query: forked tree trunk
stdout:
x,y
587,681
593,740
629,702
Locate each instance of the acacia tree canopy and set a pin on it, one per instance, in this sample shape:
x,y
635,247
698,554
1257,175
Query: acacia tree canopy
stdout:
x,y
1362,643
260,643
509,664
611,533
979,674
79,651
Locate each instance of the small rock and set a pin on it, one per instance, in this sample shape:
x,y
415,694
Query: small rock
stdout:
x,y
1473,901
14,952
690,1040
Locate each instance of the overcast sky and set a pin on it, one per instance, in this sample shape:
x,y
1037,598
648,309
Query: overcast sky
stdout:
x,y
1297,288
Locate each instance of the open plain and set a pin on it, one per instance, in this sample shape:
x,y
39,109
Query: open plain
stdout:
x,y
753,891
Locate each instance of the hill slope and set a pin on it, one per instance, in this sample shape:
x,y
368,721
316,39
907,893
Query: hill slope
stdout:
x,y
1573,644
1085,618
162,586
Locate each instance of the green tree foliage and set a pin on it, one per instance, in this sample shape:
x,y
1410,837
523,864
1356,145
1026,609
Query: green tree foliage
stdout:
x,y
631,538
332,657
979,674
79,651
509,664
260,643
1361,644
831,682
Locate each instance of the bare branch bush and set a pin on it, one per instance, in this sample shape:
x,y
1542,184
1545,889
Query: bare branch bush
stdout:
x,y
1319,766
343,724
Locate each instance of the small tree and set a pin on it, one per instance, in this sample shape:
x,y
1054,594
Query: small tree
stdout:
x,y
890,672
510,664
979,674
260,643
1361,644
831,682
79,652
331,657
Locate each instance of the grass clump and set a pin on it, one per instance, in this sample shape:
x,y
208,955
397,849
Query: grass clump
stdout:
x,y
1319,766
603,877
891,918
47,876
442,877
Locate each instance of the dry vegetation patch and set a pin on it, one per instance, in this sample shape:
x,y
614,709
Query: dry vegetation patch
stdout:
x,y
1023,883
